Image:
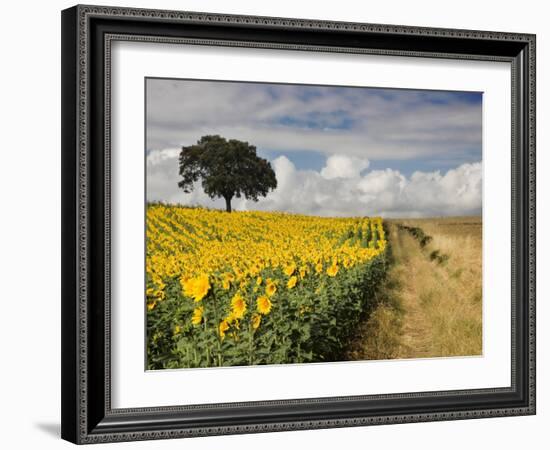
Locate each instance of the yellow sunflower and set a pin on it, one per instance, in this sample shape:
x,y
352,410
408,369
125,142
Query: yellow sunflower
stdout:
x,y
197,288
319,267
224,326
289,270
332,270
256,320
197,315
270,288
264,304
292,282
238,306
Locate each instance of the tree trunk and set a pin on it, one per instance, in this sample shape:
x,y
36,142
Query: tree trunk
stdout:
x,y
228,204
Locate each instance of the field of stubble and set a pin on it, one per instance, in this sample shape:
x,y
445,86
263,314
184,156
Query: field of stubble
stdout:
x,y
431,304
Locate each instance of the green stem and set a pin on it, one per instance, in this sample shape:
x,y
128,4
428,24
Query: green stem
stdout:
x,y
217,330
281,320
206,347
250,344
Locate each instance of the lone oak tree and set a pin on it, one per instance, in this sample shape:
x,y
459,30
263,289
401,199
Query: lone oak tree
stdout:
x,y
228,168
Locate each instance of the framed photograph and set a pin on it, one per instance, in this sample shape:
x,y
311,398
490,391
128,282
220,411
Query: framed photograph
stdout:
x,y
279,224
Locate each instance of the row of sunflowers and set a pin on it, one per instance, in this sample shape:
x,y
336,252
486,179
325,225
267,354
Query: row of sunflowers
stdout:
x,y
256,287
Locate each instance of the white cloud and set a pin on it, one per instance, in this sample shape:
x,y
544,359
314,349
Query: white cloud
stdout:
x,y
157,158
338,189
457,192
341,166
162,181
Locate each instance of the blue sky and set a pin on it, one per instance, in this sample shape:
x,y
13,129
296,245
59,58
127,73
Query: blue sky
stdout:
x,y
406,132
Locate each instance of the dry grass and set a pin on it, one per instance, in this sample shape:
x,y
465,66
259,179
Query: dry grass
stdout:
x,y
381,335
429,308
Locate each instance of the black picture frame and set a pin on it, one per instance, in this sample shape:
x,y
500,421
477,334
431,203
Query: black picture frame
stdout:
x,y
87,416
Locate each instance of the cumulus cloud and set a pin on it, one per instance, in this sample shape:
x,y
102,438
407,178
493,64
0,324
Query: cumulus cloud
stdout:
x,y
162,181
340,188
341,166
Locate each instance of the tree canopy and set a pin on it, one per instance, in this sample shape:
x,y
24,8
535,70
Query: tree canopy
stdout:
x,y
227,168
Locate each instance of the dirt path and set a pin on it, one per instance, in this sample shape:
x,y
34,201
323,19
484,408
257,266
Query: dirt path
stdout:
x,y
421,309
411,266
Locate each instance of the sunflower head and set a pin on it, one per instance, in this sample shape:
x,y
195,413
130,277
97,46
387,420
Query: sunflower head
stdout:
x,y
289,269
264,304
270,288
256,320
292,282
224,326
197,315
238,306
229,277
197,287
332,270
319,267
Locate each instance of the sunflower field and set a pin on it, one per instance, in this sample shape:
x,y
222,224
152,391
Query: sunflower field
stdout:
x,y
246,288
